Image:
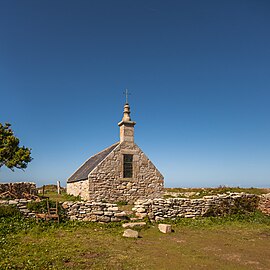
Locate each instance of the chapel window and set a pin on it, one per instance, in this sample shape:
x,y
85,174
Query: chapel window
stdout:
x,y
128,166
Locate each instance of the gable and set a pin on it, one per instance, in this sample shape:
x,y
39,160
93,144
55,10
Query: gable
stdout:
x,y
113,165
145,160
90,164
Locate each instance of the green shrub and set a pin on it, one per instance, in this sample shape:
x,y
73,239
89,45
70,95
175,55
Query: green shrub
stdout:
x,y
168,196
240,205
9,211
122,203
241,219
39,207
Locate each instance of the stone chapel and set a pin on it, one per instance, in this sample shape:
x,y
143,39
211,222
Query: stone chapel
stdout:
x,y
121,172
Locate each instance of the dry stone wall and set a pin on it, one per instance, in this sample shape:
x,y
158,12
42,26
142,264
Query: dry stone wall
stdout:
x,y
94,211
84,211
264,204
155,209
17,189
21,204
106,182
173,208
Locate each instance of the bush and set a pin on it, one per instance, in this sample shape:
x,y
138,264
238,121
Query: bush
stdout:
x,y
241,205
122,203
9,211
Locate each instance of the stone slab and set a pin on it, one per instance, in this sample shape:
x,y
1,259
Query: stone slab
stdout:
x,y
130,233
165,228
134,224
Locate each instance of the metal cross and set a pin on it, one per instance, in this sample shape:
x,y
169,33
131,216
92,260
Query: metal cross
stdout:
x,y
127,94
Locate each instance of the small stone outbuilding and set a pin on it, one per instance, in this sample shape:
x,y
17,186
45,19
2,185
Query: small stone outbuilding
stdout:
x,y
121,172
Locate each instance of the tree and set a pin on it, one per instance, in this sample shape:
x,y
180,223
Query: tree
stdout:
x,y
11,154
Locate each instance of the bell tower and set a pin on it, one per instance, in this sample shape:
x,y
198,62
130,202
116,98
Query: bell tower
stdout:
x,y
126,125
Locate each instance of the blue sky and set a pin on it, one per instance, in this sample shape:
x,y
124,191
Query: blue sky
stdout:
x,y
198,71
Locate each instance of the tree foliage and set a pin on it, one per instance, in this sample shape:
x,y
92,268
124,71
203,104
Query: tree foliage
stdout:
x,y
11,154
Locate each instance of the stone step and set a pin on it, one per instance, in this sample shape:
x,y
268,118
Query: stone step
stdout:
x,y
133,224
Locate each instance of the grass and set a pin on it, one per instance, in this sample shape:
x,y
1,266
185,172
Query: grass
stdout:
x,y
61,197
233,242
51,192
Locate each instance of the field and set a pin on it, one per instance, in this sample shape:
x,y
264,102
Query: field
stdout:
x,y
194,193
232,242
235,242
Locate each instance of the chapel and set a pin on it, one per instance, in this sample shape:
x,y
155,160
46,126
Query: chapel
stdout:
x,y
119,173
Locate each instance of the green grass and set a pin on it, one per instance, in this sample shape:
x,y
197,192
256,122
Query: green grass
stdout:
x,y
233,242
9,211
51,192
61,197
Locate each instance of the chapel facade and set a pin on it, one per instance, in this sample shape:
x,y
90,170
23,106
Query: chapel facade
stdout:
x,y
121,172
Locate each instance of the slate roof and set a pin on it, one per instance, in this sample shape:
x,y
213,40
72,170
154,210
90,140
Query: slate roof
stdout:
x,y
90,164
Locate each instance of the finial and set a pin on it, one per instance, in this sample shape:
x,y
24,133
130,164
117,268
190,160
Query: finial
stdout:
x,y
127,94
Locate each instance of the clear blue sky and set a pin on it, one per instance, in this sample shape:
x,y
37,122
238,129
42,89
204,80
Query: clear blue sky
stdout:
x,y
198,71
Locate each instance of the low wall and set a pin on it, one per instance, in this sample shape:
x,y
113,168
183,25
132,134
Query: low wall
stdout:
x,y
172,208
85,211
157,209
21,204
264,204
94,211
17,190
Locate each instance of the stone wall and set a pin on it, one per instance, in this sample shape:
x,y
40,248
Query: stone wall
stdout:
x,y
172,208
155,209
106,181
94,211
85,211
21,204
264,204
17,189
79,188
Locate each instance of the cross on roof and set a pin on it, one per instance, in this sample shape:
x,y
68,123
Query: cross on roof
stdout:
x,y
127,94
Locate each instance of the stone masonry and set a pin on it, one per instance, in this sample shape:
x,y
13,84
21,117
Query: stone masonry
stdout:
x,y
173,208
94,211
154,209
106,182
264,204
21,205
17,189
102,178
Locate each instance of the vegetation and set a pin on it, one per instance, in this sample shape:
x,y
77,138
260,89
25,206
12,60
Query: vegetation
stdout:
x,y
41,207
121,203
233,242
241,205
239,240
11,154
9,211
50,191
200,192
62,197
